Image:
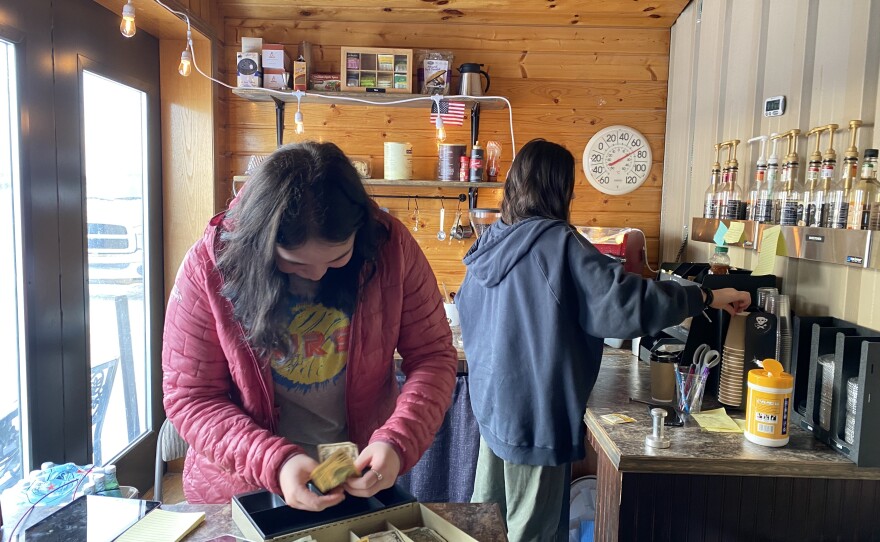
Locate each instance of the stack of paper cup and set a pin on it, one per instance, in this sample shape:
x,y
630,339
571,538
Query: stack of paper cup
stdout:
x,y
730,386
852,401
826,363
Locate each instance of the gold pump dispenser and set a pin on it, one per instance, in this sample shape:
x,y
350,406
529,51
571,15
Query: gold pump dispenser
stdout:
x,y
840,194
813,181
789,205
759,200
710,202
734,205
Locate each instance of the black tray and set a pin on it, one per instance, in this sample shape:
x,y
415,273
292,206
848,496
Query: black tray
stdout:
x,y
269,514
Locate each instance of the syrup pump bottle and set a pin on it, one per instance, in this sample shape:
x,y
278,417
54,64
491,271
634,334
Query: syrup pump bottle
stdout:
x,y
788,198
822,197
721,192
710,205
773,173
812,182
839,212
864,200
734,208
759,202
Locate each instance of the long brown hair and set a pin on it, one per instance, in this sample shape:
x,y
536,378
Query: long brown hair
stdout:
x,y
301,192
540,183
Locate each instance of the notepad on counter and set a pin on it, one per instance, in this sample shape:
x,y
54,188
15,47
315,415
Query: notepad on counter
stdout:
x,y
163,526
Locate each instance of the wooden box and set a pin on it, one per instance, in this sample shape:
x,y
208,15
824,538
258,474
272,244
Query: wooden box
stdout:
x,y
363,68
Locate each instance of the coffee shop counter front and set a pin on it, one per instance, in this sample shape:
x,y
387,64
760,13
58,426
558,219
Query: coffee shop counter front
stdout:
x,y
713,486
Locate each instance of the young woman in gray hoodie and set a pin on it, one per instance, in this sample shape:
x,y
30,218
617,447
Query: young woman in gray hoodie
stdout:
x,y
535,305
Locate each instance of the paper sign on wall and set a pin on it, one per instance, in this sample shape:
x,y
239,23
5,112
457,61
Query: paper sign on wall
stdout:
x,y
769,249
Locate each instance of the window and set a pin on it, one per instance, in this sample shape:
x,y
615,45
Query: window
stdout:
x,y
115,153
12,366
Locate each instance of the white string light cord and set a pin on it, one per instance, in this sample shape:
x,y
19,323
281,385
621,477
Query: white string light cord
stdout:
x,y
299,94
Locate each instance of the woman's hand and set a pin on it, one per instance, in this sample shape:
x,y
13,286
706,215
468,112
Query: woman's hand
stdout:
x,y
384,467
294,476
731,300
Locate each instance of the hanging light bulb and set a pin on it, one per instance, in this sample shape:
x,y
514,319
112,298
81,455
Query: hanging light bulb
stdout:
x,y
441,131
127,26
298,117
185,66
298,120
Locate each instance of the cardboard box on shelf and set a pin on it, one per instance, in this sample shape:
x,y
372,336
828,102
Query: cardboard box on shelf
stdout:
x,y
324,82
262,516
300,75
275,58
249,63
276,79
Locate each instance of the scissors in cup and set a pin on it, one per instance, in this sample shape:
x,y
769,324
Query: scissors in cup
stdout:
x,y
704,359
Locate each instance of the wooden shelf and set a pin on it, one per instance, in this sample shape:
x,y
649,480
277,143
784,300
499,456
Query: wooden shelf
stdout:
x,y
376,98
457,185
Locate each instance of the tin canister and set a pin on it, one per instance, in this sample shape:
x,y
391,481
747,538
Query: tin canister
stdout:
x,y
398,161
768,405
449,165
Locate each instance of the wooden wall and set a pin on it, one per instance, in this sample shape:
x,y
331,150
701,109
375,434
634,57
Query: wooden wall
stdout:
x,y
565,82
726,58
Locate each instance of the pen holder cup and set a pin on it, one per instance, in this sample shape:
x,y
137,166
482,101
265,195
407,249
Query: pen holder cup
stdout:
x,y
689,389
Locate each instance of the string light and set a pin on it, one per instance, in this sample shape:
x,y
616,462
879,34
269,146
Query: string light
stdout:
x,y
438,121
127,26
185,66
298,118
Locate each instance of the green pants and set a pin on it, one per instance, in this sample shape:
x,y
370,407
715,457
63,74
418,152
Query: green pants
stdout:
x,y
533,499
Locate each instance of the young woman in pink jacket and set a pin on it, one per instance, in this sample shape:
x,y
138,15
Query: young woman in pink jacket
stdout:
x,y
281,330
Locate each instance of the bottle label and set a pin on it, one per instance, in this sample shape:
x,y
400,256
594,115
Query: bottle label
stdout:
x,y
840,215
710,210
763,210
732,209
788,215
810,212
874,217
865,222
823,216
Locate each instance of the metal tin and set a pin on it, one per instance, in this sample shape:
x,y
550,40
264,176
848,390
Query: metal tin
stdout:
x,y
477,164
449,165
398,161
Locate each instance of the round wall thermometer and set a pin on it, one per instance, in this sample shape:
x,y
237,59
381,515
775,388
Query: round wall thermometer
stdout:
x,y
617,160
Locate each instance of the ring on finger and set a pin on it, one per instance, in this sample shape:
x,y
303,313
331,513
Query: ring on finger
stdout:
x,y
378,475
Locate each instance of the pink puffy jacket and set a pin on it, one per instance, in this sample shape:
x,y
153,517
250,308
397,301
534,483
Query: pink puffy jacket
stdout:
x,y
219,393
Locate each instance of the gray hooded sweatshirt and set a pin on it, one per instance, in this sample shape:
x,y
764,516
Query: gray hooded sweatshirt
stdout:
x,y
535,305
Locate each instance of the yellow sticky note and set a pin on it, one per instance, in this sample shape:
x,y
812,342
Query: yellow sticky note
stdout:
x,y
741,423
162,526
767,252
716,421
734,233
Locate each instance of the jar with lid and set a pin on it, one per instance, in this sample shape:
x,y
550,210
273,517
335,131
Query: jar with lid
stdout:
x,y
719,263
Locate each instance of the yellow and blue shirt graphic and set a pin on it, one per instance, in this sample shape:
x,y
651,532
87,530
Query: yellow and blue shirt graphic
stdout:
x,y
310,386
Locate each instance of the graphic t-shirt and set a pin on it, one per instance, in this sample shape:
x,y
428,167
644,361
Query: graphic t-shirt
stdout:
x,y
310,386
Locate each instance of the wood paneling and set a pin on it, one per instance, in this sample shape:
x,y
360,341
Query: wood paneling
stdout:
x,y
565,82
588,13
823,57
188,155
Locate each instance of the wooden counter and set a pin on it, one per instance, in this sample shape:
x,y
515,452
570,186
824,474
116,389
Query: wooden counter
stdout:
x,y
481,521
709,485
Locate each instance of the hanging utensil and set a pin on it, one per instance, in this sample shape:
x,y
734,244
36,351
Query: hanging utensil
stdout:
x,y
416,215
441,235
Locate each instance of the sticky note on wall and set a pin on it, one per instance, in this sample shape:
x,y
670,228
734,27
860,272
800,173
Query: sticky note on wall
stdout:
x,y
734,233
770,247
720,233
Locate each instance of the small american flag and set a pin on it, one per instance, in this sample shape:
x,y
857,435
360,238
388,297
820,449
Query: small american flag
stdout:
x,y
452,113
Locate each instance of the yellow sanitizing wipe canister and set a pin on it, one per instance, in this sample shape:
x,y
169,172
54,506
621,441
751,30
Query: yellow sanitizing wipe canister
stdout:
x,y
768,404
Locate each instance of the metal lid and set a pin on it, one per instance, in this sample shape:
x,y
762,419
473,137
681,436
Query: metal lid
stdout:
x,y
870,153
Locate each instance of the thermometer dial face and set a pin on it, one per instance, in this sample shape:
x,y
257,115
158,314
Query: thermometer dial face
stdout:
x,y
617,160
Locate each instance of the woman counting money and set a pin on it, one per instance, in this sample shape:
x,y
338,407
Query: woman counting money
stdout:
x,y
280,334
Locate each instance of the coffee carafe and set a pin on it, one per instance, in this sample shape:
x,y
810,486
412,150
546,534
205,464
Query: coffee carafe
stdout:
x,y
470,84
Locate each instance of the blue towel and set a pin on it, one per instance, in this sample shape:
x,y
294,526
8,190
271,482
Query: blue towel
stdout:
x,y
446,472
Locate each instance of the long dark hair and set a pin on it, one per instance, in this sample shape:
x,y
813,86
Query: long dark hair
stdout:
x,y
540,183
301,192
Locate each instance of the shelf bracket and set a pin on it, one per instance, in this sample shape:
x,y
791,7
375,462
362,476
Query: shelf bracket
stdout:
x,y
279,120
475,134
